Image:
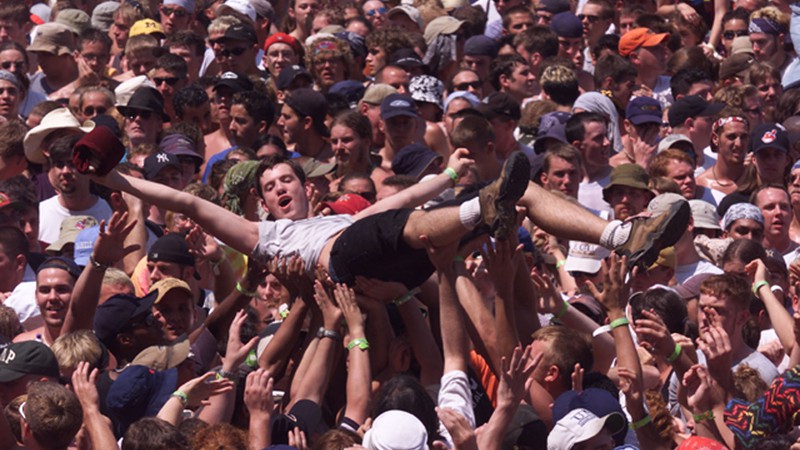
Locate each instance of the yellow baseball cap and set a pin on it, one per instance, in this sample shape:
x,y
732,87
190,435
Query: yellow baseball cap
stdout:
x,y
147,26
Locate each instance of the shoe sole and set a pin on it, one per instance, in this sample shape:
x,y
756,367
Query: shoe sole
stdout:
x,y
514,182
667,234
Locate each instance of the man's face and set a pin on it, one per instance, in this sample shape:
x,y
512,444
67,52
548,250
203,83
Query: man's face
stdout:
x,y
198,115
627,201
243,128
704,88
223,96
771,165
170,176
651,59
67,180
53,295
520,83
504,5
595,146
626,23
543,17
12,31
745,229
193,61
160,270
400,131
9,100
283,193
623,90
290,124
730,320
375,60
141,63
397,78
594,26
732,143
304,11
360,186
167,84
777,211
278,56
770,90
469,81
519,22
700,133
375,11
348,147
236,56
330,69
95,54
174,18
562,176
572,49
478,64
794,187
682,174
52,64
731,30
175,313
404,22
13,61
142,125
93,104
119,31
10,269
764,46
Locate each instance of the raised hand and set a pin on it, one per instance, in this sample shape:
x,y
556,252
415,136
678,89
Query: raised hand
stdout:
x,y
460,430
236,351
203,246
346,298
331,314
515,377
297,439
697,382
110,244
199,390
460,162
550,300
653,334
258,394
83,384
614,296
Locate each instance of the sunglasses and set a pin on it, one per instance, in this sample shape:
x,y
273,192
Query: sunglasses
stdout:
x,y
234,51
178,12
169,80
7,65
148,321
61,164
470,84
733,34
381,10
132,114
90,111
591,19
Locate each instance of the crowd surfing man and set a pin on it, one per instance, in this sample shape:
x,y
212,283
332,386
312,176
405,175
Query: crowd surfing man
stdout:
x,y
399,225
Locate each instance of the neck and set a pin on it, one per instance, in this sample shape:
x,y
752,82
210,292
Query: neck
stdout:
x,y
781,243
685,251
77,201
314,146
490,168
596,173
647,79
728,172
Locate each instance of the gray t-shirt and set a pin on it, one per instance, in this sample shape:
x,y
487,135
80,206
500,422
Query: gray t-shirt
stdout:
x,y
305,237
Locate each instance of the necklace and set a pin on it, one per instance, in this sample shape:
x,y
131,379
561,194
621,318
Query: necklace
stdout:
x,y
714,172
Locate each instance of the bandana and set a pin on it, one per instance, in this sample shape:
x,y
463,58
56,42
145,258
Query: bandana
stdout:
x,y
742,211
796,165
599,103
726,120
325,46
239,179
766,26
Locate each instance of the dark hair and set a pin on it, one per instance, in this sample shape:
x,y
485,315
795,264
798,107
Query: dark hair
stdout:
x,y
62,148
538,39
738,13
53,414
13,242
575,128
93,35
606,42
150,433
270,139
173,64
504,65
356,176
407,394
683,80
744,250
666,303
614,66
258,107
763,187
273,160
475,19
355,121
472,130
218,172
191,96
188,39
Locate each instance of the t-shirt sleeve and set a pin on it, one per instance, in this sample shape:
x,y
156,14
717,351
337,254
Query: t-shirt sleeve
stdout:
x,y
488,380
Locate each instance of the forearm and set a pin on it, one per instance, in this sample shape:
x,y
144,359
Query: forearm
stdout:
x,y
358,381
172,411
137,236
505,322
258,436
491,437
283,343
480,321
424,346
781,321
311,344
455,345
379,334
412,197
85,296
99,430
314,384
526,319
720,8
224,278
602,344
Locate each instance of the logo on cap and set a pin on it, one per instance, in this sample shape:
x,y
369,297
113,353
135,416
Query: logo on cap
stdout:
x,y
400,104
769,136
7,355
81,224
229,76
162,158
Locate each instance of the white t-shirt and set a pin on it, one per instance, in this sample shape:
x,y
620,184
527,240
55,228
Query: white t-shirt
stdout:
x,y
709,159
305,237
51,213
686,271
23,301
590,194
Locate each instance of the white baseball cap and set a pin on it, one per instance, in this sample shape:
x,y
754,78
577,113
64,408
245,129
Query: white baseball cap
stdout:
x,y
580,425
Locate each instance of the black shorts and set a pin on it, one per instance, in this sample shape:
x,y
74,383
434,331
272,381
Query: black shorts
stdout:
x,y
374,247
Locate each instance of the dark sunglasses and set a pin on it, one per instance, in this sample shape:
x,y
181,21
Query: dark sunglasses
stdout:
x,y
470,84
169,80
381,10
148,321
234,51
7,65
178,12
91,110
132,114
591,19
733,34
61,164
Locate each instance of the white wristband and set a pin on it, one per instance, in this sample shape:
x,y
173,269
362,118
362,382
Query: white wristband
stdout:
x,y
601,330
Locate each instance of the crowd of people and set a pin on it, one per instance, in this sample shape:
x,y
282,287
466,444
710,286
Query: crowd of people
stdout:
x,y
399,225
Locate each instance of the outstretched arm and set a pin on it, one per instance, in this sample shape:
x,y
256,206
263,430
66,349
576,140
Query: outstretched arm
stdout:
x,y
236,231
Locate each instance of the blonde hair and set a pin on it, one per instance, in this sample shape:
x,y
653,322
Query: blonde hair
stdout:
x,y
78,346
772,13
141,43
114,276
221,24
558,74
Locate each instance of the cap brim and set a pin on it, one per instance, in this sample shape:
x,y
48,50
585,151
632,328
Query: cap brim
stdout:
x,y
393,114
644,118
123,110
655,39
8,375
712,109
585,265
33,141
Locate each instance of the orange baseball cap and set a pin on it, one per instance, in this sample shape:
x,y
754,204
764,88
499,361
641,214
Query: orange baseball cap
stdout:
x,y
640,37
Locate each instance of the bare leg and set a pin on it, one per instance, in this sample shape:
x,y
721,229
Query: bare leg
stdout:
x,y
561,217
442,226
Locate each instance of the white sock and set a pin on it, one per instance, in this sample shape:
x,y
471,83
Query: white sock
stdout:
x,y
615,234
470,213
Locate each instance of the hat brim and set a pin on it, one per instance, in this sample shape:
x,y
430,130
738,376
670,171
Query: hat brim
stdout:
x,y
654,39
644,118
401,113
712,109
124,111
33,141
7,375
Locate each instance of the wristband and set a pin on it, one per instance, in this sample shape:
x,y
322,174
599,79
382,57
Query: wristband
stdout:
x,y
243,291
180,395
560,264
563,311
618,323
223,374
675,354
361,343
708,415
758,286
641,423
323,333
283,310
403,299
450,172
96,264
252,359
601,330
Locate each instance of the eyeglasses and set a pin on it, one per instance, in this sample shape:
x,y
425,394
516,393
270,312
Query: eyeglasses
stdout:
x,y
591,19
132,114
169,80
468,84
90,111
61,164
178,12
93,57
732,34
664,124
381,10
7,65
148,321
234,51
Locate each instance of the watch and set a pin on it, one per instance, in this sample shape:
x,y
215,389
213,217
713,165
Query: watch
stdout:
x,y
323,333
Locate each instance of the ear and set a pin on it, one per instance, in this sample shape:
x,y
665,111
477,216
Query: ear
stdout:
x,y
630,130
308,123
21,262
536,59
714,140
262,127
609,83
552,374
543,177
503,80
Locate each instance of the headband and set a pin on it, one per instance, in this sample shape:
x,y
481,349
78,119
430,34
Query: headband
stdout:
x,y
726,120
766,26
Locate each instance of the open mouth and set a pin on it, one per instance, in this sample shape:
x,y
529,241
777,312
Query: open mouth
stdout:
x,y
283,202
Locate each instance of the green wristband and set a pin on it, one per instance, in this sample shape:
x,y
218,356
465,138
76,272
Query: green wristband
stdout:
x,y
641,423
708,415
361,343
618,323
180,395
450,172
675,354
758,286
560,264
563,311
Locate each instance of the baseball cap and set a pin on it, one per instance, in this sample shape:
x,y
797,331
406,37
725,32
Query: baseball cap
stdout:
x,y
640,37
585,257
630,175
145,98
284,39
113,315
188,5
313,167
171,248
75,19
678,141
480,45
426,88
307,102
643,110
235,81
40,13
348,204
240,6
240,32
53,38
84,244
163,357
395,105
552,126
553,6
140,391
396,429
103,15
305,414
413,159
406,58
147,26
500,104
180,145
164,286
27,358
598,401
289,74
567,25
60,263
735,65
700,443
691,106
704,215
580,425
441,25
769,135
662,203
410,11
375,94
71,226
154,163
351,90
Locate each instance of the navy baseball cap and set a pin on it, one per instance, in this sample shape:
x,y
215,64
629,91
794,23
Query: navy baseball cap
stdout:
x,y
769,135
567,25
413,159
600,402
691,106
643,110
396,105
406,58
552,126
291,73
351,90
307,102
115,314
154,163
235,81
480,45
